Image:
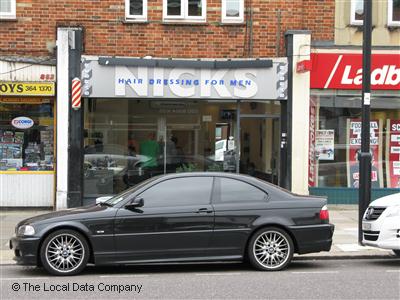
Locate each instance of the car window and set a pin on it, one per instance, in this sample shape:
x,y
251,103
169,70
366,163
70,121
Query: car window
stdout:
x,y
232,190
124,195
179,192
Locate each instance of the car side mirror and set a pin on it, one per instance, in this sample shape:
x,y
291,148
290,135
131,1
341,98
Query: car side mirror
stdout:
x,y
135,204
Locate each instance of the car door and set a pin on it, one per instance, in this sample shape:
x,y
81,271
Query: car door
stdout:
x,y
175,222
237,204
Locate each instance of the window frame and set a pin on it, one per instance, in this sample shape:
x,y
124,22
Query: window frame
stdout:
x,y
225,19
353,20
184,16
391,22
11,15
135,18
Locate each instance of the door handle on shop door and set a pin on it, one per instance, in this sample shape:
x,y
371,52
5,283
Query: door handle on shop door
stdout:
x,y
204,210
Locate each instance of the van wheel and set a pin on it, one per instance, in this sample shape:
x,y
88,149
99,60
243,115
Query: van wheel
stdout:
x,y
270,249
64,252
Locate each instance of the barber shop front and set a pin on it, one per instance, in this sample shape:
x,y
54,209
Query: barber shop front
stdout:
x,y
144,118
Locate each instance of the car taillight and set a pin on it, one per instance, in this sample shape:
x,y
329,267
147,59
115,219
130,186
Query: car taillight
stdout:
x,y
324,214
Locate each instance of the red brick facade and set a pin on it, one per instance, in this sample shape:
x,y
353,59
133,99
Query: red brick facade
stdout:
x,y
106,33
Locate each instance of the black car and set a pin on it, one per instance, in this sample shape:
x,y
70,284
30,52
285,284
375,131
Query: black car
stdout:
x,y
182,217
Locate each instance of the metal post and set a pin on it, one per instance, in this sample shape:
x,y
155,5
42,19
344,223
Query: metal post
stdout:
x,y
365,155
237,152
75,160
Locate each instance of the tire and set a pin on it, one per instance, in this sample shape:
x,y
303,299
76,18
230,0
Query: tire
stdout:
x,y
396,252
270,249
64,252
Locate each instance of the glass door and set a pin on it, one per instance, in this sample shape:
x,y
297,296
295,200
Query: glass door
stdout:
x,y
260,140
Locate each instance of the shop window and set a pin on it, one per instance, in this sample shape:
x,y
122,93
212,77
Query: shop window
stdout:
x,y
394,12
232,11
7,9
335,141
136,10
357,12
185,10
26,135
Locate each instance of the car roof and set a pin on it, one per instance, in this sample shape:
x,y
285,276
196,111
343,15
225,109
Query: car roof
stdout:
x,y
242,177
215,174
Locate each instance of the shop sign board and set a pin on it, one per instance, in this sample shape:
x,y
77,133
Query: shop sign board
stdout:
x,y
325,144
344,71
312,161
353,149
393,153
15,88
103,81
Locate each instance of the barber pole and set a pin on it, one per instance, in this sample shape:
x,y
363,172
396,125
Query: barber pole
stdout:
x,y
76,93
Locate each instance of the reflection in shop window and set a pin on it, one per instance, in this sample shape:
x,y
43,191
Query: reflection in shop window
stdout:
x,y
26,136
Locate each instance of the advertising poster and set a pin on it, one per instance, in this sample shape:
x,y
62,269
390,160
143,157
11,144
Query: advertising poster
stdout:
x,y
393,153
325,144
312,158
354,147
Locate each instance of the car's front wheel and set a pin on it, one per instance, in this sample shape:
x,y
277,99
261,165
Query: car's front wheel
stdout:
x,y
396,252
270,249
64,252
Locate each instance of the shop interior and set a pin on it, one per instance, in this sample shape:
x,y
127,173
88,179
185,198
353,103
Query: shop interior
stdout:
x,y
26,134
129,140
336,111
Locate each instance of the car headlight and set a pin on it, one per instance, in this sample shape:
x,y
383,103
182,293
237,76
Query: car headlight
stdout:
x,y
26,230
394,211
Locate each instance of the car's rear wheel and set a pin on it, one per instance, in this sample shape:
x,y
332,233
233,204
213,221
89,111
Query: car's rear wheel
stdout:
x,y
64,252
270,249
396,252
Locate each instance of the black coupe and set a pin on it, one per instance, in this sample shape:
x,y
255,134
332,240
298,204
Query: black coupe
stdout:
x,y
182,217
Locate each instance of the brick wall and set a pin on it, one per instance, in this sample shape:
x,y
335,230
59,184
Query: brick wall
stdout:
x,y
106,33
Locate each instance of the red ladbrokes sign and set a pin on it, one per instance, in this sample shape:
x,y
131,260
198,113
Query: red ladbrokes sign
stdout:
x,y
344,71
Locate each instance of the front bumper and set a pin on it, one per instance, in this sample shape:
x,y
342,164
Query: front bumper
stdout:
x,y
382,233
313,238
25,250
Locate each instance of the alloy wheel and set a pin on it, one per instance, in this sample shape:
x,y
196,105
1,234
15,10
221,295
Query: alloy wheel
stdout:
x,y
271,249
65,253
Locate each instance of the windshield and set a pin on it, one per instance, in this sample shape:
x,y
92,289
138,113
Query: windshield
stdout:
x,y
125,194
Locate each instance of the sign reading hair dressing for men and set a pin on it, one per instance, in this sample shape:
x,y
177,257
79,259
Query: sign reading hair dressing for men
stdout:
x,y
116,81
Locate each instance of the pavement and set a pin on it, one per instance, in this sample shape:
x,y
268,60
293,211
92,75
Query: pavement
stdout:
x,y
345,238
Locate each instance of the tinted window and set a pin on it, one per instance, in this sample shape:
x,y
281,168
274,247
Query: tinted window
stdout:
x,y
232,190
179,192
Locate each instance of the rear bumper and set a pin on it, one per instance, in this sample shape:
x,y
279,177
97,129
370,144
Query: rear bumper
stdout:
x,y
313,238
25,250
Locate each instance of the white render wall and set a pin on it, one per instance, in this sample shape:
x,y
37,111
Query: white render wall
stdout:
x,y
300,115
26,190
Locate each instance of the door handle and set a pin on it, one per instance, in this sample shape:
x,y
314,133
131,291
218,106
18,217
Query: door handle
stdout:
x,y
204,210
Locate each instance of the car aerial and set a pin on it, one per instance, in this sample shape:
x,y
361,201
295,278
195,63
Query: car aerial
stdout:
x,y
182,217
381,223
